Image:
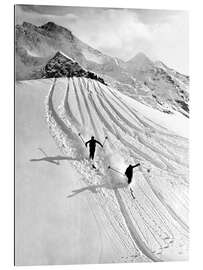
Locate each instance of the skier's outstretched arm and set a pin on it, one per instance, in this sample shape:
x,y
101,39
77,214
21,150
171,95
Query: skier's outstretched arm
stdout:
x,y
138,164
99,143
87,143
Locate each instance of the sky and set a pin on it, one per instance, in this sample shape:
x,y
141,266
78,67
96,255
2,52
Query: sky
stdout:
x,y
160,34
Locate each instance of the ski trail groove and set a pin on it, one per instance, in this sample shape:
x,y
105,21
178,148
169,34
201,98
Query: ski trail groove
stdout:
x,y
142,246
125,216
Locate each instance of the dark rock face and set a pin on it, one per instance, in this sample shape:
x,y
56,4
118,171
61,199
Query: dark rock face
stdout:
x,y
62,66
50,26
183,104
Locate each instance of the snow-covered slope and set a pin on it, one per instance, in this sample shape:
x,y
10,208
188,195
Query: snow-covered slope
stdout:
x,y
154,225
49,228
168,87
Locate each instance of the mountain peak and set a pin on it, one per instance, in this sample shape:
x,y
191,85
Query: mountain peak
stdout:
x,y
140,57
160,64
141,54
49,26
60,54
52,27
140,62
28,25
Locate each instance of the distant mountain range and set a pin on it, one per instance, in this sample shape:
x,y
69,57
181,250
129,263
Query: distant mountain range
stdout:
x,y
51,50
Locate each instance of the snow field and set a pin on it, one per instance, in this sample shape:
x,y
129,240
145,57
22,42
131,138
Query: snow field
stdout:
x,y
153,226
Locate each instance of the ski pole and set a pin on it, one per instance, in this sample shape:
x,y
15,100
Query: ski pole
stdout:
x,y
81,138
40,149
109,167
105,141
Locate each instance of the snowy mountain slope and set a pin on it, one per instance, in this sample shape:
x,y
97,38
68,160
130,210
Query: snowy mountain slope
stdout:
x,y
154,225
151,227
151,83
168,87
44,41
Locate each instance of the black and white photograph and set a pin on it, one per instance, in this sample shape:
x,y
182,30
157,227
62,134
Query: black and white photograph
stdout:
x,y
101,135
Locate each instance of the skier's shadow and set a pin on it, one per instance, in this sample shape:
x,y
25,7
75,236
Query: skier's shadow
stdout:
x,y
52,159
96,188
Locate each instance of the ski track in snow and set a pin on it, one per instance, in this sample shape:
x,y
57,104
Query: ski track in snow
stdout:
x,y
153,226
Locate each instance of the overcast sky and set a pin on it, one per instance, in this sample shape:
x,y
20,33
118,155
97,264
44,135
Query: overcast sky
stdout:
x,y
161,35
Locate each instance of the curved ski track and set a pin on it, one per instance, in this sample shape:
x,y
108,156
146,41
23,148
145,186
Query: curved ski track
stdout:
x,y
153,227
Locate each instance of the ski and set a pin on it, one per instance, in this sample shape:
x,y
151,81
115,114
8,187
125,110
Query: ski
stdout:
x,y
131,192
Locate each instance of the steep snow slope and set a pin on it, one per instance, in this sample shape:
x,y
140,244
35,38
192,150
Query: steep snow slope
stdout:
x,y
154,225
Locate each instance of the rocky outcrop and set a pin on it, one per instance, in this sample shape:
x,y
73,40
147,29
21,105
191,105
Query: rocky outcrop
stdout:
x,y
63,66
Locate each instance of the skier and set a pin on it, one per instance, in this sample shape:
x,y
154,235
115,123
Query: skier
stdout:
x,y
129,174
92,145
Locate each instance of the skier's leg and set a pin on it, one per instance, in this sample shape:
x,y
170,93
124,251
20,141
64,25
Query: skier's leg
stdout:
x,y
92,158
129,180
91,155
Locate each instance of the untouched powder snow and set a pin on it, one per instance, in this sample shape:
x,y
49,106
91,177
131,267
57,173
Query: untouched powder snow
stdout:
x,y
154,225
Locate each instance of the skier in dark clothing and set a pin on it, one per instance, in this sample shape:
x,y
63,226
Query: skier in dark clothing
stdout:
x,y
92,145
129,172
